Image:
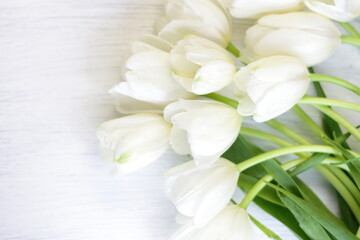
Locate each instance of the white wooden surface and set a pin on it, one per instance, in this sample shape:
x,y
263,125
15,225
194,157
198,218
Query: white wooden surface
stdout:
x,y
58,58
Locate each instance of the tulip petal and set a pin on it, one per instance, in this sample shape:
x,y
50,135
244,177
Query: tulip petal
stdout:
x,y
176,30
212,77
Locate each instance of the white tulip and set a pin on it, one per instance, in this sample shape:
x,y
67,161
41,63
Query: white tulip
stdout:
x,y
339,10
206,18
232,223
308,36
205,129
148,77
134,141
270,86
201,66
201,193
259,8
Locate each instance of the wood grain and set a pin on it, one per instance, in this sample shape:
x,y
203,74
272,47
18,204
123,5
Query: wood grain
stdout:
x,y
58,60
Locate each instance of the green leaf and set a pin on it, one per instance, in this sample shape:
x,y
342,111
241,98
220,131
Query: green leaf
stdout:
x,y
354,165
246,182
281,176
329,222
309,195
311,162
242,150
265,230
283,215
344,137
346,215
307,222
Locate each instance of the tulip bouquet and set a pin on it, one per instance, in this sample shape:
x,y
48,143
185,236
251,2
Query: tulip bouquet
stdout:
x,y
189,87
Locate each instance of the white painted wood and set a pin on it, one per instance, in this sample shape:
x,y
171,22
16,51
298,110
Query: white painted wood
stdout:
x,y
58,59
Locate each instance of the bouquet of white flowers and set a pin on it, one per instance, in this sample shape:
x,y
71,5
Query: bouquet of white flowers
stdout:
x,y
173,90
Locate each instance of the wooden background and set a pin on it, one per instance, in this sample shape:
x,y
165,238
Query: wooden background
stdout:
x,y
58,58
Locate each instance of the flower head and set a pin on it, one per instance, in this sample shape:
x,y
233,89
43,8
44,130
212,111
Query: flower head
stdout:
x,y
202,193
206,18
259,8
305,35
201,66
147,77
134,141
232,223
205,129
339,10
270,86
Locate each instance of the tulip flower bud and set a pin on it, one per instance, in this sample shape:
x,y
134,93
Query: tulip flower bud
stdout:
x,y
148,82
134,141
232,223
305,35
339,10
205,18
202,193
270,86
205,129
201,66
259,8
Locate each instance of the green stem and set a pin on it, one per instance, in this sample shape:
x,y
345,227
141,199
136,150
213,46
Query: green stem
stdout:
x,y
350,29
350,40
342,83
284,151
344,192
329,102
358,233
309,122
254,191
288,132
222,99
231,48
269,138
339,119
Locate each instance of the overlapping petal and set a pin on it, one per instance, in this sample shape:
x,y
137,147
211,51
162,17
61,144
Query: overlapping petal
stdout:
x,y
201,193
205,129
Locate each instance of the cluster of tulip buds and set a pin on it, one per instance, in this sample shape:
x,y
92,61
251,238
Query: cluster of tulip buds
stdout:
x,y
188,88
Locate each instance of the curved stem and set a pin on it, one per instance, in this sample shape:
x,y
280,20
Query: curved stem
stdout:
x,y
284,151
231,48
344,192
254,191
334,80
342,121
329,102
346,182
350,29
222,99
287,132
268,137
350,40
309,121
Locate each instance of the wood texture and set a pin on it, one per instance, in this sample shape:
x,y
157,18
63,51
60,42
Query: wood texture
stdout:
x,y
58,60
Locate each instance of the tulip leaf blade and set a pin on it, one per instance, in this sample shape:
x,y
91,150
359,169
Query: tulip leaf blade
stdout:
x,y
281,176
309,195
347,215
283,215
307,223
265,230
311,162
242,150
328,221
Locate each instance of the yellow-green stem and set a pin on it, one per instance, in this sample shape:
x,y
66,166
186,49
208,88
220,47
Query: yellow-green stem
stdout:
x,y
334,80
284,151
